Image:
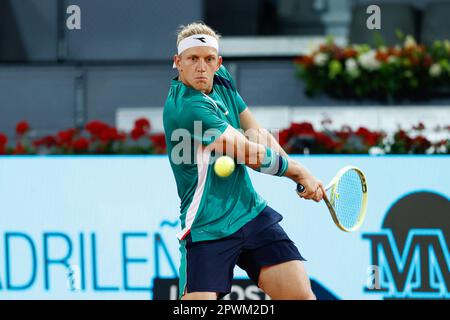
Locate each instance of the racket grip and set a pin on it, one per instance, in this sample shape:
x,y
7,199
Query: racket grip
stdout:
x,y
300,188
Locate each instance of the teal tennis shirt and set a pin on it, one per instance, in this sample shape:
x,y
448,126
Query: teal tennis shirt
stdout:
x,y
211,207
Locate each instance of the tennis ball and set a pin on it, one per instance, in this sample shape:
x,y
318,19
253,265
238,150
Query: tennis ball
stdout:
x,y
224,166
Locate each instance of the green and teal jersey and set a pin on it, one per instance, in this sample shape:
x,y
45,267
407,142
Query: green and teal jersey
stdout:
x,y
211,207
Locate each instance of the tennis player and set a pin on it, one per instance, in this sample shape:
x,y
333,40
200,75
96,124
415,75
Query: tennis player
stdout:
x,y
224,221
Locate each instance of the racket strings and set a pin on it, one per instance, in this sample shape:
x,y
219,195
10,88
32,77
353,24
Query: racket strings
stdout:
x,y
347,199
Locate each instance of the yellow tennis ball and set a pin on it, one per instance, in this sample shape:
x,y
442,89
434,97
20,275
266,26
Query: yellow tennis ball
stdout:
x,y
224,166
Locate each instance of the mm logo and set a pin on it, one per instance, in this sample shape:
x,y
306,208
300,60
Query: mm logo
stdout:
x,y
412,251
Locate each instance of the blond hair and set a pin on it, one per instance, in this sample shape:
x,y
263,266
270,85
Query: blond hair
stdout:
x,y
195,28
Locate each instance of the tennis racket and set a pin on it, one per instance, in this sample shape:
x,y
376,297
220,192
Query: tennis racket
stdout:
x,y
347,198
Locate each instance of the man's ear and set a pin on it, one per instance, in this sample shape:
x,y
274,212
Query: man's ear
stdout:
x,y
176,61
219,62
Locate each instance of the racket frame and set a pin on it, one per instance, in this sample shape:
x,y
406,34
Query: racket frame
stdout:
x,y
333,185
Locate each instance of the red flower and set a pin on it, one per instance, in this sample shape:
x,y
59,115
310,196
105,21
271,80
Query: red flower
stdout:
x,y
394,52
304,128
283,137
422,141
362,132
3,140
344,135
427,61
370,138
22,127
304,60
159,140
330,48
108,134
66,137
345,132
137,133
325,140
382,56
339,54
19,149
142,123
81,144
48,141
350,53
95,127
401,134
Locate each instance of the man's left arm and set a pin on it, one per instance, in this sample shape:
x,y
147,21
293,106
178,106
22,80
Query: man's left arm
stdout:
x,y
256,133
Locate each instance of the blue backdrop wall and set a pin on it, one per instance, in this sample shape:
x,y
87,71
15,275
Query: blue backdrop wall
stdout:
x,y
104,227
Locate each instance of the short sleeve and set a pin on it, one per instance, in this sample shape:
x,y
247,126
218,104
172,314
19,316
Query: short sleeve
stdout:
x,y
202,121
240,102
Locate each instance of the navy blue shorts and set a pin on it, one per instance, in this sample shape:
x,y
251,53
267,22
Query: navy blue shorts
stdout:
x,y
261,242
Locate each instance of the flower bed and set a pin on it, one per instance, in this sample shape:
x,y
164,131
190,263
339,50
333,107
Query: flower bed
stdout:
x,y
302,138
96,137
411,71
99,138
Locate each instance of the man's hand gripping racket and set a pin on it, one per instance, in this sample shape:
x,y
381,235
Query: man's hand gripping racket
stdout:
x,y
347,198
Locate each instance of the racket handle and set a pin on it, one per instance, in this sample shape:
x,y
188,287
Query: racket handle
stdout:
x,y
300,188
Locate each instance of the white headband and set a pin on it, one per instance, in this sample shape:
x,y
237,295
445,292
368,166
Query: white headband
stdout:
x,y
197,40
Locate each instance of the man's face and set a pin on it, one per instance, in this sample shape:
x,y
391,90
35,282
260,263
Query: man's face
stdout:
x,y
196,67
